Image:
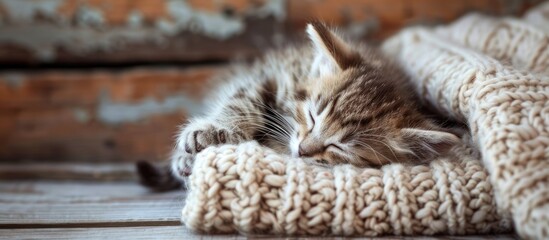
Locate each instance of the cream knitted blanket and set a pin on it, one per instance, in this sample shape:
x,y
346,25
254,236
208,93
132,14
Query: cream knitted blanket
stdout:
x,y
491,73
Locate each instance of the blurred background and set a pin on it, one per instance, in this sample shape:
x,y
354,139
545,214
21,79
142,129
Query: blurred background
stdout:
x,y
91,81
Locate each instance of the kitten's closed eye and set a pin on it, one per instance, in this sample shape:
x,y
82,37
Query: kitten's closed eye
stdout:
x,y
334,146
312,120
322,161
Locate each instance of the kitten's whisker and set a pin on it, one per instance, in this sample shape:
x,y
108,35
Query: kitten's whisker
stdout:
x,y
274,124
276,116
387,145
281,126
365,134
363,144
270,132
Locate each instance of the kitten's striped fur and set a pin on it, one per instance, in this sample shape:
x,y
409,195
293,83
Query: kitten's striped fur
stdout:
x,y
329,103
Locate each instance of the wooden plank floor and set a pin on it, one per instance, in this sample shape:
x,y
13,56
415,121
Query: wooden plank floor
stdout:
x,y
105,202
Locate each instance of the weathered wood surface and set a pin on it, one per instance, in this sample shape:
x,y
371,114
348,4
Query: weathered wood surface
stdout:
x,y
175,232
121,31
73,171
111,233
127,31
36,204
154,212
97,115
46,191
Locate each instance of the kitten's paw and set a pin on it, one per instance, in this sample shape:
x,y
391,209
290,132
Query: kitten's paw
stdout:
x,y
196,137
182,164
199,135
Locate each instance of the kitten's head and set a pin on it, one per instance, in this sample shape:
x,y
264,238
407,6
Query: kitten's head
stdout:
x,y
359,112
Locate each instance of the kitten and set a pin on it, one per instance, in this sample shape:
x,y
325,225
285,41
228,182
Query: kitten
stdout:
x,y
332,103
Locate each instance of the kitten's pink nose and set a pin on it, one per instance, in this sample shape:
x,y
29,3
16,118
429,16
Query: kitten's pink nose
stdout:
x,y
301,152
308,149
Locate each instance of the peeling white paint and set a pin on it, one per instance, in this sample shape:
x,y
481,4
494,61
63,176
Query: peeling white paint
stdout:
x,y
81,115
89,17
25,11
112,113
210,24
13,79
276,8
42,38
135,19
91,32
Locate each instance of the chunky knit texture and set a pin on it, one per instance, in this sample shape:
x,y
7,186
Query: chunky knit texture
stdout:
x,y
250,189
491,73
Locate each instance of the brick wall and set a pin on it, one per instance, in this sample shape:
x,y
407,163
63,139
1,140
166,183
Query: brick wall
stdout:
x,y
102,80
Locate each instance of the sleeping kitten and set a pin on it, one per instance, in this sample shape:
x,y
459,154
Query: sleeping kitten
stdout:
x,y
330,103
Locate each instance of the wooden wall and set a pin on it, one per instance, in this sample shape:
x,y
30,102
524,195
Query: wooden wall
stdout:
x,y
103,80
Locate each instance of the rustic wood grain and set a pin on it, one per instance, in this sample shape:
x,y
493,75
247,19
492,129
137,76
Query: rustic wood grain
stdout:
x,y
44,191
100,214
35,89
183,48
260,31
31,205
56,115
68,171
393,15
162,232
179,232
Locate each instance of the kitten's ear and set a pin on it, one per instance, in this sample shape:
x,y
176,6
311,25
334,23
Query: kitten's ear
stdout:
x,y
428,143
332,54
